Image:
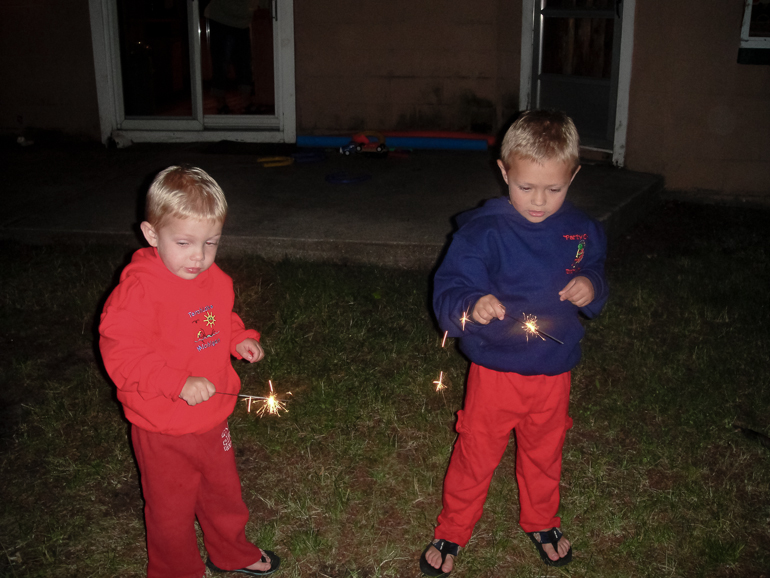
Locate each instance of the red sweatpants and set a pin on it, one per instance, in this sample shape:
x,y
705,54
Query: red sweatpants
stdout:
x,y
495,403
189,476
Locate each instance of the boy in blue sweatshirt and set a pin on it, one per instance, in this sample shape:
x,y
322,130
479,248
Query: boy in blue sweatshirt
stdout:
x,y
530,255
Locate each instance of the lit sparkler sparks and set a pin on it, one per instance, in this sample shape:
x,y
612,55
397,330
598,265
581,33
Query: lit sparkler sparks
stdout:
x,y
529,324
272,404
464,319
440,385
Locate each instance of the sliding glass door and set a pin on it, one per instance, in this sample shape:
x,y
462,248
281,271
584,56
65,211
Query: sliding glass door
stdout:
x,y
190,66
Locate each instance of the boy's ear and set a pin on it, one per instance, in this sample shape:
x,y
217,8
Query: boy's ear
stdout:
x,y
149,233
573,174
505,172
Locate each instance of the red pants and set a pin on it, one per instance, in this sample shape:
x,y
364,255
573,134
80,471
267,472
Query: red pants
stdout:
x,y
189,476
495,403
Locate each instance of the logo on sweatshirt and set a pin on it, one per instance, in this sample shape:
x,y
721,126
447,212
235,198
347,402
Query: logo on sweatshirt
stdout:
x,y
227,443
579,252
205,334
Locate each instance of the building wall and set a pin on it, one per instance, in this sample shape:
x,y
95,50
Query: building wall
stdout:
x,y
432,64
696,116
47,68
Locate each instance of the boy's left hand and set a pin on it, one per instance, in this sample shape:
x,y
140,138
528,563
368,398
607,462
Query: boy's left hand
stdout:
x,y
579,292
250,350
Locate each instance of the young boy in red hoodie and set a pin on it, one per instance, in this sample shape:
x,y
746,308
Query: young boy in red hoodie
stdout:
x,y
167,333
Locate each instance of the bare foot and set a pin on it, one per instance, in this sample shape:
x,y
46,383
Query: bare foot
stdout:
x,y
433,557
562,547
263,565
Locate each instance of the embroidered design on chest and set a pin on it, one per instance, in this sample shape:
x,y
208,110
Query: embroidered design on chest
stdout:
x,y
204,322
580,249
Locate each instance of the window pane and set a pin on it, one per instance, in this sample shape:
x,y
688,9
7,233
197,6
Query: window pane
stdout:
x,y
598,4
578,46
760,19
155,59
237,58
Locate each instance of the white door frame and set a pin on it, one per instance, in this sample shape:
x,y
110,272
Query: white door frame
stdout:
x,y
281,127
624,72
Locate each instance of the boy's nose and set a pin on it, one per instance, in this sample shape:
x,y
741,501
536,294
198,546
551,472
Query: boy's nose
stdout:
x,y
538,199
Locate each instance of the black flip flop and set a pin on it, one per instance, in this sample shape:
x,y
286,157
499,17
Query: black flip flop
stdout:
x,y
552,537
267,556
446,548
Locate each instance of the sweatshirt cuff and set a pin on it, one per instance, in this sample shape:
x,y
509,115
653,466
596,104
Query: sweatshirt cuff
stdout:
x,y
600,294
172,381
238,337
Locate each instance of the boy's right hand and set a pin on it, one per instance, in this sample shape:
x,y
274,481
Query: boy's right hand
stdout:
x,y
488,308
197,390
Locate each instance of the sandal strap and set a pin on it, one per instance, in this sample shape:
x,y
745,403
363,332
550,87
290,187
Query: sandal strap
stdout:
x,y
446,548
551,536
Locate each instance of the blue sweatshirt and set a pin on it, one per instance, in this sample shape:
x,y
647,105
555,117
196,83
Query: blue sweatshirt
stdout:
x,y
525,265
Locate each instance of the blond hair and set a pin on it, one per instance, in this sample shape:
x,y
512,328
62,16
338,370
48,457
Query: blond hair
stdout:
x,y
540,135
184,192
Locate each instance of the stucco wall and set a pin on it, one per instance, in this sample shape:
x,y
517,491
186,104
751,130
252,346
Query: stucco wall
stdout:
x,y
47,68
696,116
432,64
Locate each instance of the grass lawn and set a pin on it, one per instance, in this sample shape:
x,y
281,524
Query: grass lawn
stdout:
x,y
656,482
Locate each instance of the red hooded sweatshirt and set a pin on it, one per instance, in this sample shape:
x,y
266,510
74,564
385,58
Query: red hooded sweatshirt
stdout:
x,y
157,330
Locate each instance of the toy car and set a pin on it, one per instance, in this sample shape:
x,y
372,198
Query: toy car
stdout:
x,y
351,147
363,143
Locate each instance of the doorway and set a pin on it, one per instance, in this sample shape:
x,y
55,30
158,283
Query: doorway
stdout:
x,y
578,58
190,70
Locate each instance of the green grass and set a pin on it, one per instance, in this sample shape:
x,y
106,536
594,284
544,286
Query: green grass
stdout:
x,y
348,483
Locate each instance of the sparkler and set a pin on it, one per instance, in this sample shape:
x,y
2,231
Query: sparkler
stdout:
x,y
241,395
270,404
529,324
440,383
464,319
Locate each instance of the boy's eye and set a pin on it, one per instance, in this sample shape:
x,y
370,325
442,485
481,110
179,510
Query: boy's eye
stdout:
x,y
212,243
181,243
525,188
555,190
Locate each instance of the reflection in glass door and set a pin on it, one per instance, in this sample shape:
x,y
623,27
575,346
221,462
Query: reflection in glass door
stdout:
x,y
576,61
155,58
237,57
206,63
